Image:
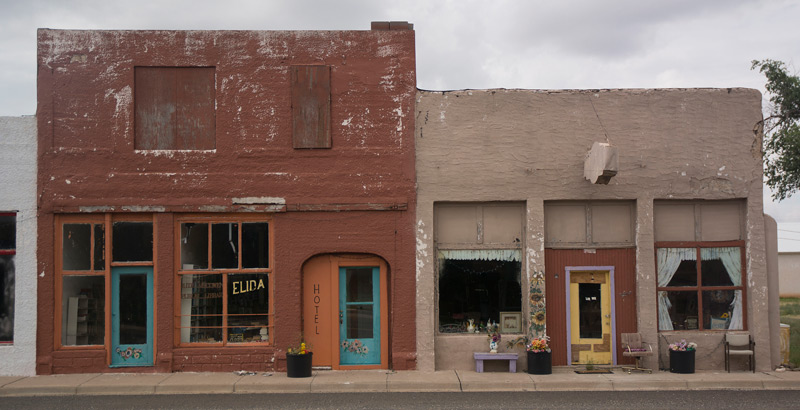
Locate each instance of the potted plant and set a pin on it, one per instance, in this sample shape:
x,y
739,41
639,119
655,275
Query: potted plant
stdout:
x,y
540,359
298,361
493,333
681,356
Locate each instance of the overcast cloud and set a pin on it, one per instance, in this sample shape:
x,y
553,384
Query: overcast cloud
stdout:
x,y
470,44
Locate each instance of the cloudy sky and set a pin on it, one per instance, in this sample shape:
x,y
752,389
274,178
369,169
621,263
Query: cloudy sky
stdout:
x,y
474,44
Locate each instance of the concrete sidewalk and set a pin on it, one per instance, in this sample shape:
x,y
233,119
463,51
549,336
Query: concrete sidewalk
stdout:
x,y
326,381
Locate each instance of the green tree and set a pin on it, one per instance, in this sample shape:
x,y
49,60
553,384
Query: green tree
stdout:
x,y
781,129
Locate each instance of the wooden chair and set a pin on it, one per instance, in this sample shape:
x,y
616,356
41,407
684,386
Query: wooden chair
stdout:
x,y
633,346
743,346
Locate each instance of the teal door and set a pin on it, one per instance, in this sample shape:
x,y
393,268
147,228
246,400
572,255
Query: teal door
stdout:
x,y
359,316
131,316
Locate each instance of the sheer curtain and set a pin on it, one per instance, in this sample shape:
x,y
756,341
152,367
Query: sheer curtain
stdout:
x,y
732,260
669,259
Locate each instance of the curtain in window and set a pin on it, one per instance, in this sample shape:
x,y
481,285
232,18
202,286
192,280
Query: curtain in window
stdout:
x,y
505,255
732,260
669,259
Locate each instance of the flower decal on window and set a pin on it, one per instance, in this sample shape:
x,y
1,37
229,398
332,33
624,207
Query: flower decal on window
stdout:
x,y
129,352
355,346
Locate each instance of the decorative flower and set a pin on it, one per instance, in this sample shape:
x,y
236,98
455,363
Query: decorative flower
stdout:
x,y
539,345
683,346
539,318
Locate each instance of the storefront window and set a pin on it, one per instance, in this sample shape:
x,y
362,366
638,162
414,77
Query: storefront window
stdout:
x,y
717,303
83,276
230,302
475,286
83,310
8,250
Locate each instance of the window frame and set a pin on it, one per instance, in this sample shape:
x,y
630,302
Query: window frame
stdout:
x,y
11,252
699,288
224,272
107,220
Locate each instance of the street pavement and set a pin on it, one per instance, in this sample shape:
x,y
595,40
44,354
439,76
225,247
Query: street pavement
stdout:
x,y
330,381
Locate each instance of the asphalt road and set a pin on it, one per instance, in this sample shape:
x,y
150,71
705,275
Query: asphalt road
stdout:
x,y
713,399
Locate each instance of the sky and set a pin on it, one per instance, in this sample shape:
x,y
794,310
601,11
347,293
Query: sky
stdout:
x,y
555,44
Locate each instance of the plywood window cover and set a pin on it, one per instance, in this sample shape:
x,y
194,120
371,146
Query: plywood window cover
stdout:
x,y
311,106
590,244
192,122
479,242
699,288
205,219
107,220
697,205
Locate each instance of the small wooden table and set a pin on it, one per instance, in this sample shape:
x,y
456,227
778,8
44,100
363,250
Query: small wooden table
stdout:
x,y
511,357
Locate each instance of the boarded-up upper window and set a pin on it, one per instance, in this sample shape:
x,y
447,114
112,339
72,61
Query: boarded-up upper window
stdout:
x,y
174,108
699,220
588,224
311,106
488,224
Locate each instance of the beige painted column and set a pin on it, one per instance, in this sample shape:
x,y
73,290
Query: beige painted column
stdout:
x,y
534,259
646,298
426,288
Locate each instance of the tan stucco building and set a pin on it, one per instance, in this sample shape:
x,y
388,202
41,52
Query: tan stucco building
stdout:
x,y
585,214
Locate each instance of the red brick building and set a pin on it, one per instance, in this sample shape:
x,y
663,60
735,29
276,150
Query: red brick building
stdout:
x,y
207,198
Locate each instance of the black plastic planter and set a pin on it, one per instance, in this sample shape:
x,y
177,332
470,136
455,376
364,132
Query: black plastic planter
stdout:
x,y
298,365
681,361
540,363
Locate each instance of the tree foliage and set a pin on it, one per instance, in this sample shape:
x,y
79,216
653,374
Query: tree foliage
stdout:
x,y
781,129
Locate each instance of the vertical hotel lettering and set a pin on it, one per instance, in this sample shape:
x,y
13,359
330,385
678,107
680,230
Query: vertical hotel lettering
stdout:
x,y
316,308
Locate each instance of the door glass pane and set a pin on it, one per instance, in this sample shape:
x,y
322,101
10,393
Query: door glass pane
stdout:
x,y
359,321
248,306
591,315
133,242
194,246
255,245
359,284
99,247
133,309
224,246
201,308
76,246
83,310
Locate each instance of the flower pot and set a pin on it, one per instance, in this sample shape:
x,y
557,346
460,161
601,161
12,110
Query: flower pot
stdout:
x,y
540,363
681,361
298,365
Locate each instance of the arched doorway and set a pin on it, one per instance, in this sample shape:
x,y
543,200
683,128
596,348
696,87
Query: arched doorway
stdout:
x,y
345,311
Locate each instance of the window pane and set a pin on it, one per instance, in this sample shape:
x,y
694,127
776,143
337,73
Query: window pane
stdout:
x,y
686,275
76,248
714,273
683,310
7,298
590,311
359,321
359,284
477,290
718,308
248,306
99,247
255,245
224,246
133,242
194,246
8,232
133,309
83,310
201,308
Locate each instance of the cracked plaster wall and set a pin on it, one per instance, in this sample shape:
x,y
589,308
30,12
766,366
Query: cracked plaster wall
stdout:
x,y
530,145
